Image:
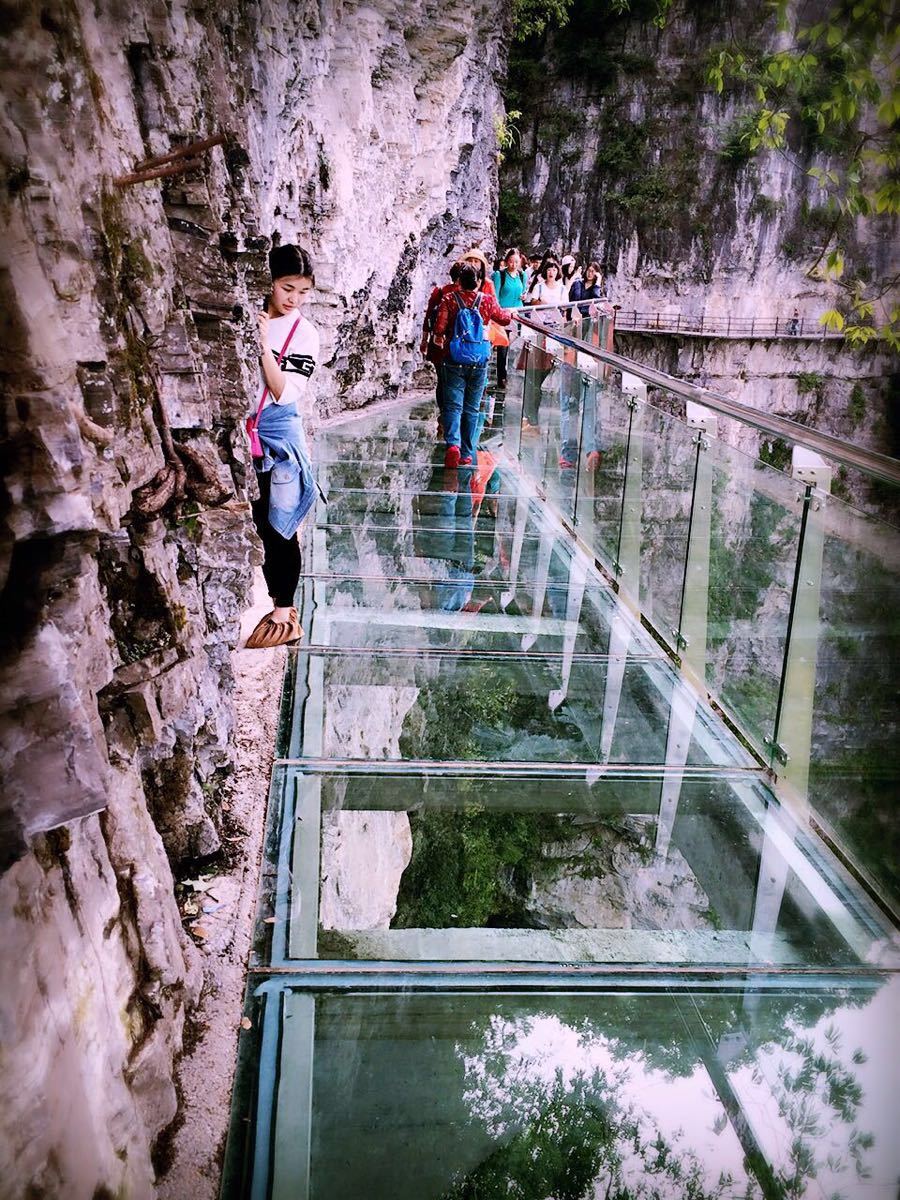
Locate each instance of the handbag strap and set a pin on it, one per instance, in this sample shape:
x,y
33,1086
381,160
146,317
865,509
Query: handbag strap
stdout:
x,y
280,357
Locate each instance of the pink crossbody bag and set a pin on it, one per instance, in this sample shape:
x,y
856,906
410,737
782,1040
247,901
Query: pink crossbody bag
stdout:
x,y
256,446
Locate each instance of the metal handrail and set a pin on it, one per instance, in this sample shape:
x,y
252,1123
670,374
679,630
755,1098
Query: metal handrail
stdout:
x,y
880,466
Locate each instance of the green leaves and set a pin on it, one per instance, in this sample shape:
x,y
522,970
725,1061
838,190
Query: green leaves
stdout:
x,y
834,84
531,18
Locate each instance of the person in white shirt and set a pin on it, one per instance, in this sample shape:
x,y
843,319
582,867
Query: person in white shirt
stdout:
x,y
547,289
289,345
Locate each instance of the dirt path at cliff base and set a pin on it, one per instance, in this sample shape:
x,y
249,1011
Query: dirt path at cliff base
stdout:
x,y
219,912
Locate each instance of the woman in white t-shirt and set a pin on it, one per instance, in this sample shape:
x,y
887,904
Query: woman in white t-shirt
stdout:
x,y
289,345
548,288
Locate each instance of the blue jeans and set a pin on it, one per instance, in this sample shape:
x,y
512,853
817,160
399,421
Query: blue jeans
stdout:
x,y
463,389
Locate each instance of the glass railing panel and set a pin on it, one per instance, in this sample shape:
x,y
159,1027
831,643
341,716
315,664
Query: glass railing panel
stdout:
x,y
656,1092
508,401
675,867
601,480
431,707
756,517
572,433
855,760
669,467
540,406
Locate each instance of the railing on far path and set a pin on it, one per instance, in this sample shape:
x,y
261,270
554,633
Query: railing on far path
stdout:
x,y
628,319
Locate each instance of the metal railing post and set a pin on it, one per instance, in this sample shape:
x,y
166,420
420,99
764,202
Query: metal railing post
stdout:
x,y
690,636
791,741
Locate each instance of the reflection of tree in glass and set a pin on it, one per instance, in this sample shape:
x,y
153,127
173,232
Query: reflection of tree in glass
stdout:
x,y
557,1110
571,1135
472,866
816,1094
451,720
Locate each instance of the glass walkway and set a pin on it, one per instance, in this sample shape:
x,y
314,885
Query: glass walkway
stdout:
x,y
578,873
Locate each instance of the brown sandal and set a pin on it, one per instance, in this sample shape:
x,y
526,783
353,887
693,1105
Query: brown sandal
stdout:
x,y
269,633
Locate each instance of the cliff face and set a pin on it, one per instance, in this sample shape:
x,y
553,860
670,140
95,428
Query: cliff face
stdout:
x,y
364,132
627,155
818,382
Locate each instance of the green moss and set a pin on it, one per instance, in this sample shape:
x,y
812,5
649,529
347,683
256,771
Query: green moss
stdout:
x,y
561,122
811,381
856,409
631,63
512,217
332,944
622,147
736,149
16,179
839,486
136,264
776,453
763,206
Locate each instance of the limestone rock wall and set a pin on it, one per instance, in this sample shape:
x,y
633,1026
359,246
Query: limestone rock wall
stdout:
x,y
364,131
624,153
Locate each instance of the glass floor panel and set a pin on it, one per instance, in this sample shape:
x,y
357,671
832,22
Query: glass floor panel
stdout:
x,y
395,508
466,613
378,475
531,922
387,706
607,867
736,1093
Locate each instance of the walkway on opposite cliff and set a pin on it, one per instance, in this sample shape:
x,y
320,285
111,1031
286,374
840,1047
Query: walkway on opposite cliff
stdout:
x,y
531,915
700,324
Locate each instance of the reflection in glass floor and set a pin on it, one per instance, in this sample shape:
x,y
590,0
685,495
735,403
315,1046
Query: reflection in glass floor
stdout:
x,y
532,922
682,1092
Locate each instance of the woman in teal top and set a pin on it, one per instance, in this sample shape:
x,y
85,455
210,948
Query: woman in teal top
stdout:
x,y
509,284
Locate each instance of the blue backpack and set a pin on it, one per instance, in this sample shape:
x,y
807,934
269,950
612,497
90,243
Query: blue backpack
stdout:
x,y
469,345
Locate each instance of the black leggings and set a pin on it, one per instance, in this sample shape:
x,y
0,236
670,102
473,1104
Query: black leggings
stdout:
x,y
281,565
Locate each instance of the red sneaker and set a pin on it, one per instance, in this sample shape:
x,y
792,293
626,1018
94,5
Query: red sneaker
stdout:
x,y
566,463
466,462
451,457
592,462
475,606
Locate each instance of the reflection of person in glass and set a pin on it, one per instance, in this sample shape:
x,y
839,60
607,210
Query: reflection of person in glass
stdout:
x,y
449,531
579,390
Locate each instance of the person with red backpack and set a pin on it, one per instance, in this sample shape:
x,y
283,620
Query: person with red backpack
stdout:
x,y
460,334
427,348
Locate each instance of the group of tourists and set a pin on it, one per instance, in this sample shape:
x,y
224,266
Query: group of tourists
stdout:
x,y
466,318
